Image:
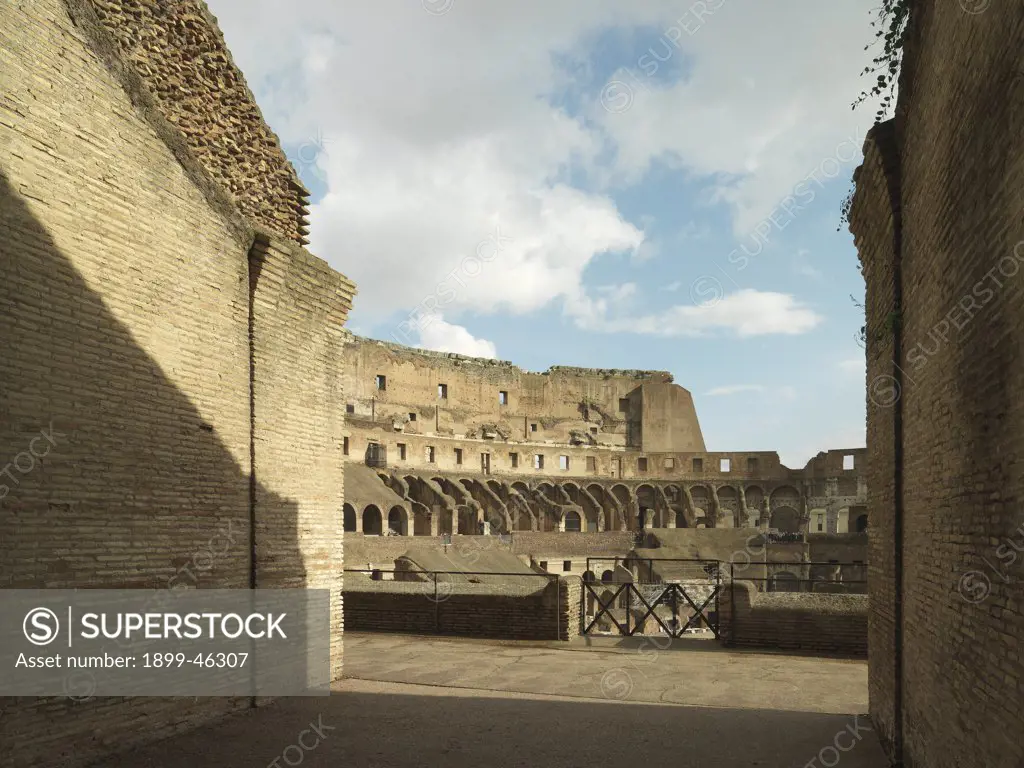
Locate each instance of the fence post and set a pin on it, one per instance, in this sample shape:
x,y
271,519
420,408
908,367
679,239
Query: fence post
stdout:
x,y
437,609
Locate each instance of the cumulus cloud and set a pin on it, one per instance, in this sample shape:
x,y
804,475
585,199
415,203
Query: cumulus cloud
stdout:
x,y
431,132
442,336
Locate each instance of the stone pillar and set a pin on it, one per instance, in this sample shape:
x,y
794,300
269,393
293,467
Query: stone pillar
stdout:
x,y
435,520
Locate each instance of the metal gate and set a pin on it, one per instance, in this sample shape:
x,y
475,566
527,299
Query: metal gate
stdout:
x,y
664,596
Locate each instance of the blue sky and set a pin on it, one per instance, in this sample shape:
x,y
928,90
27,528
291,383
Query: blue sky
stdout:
x,y
650,185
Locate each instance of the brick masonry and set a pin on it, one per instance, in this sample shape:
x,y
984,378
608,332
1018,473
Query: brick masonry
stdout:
x,y
125,379
938,213
512,611
820,623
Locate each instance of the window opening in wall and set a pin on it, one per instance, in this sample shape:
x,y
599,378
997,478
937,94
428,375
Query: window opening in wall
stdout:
x,y
430,454
533,427
623,404
848,462
503,398
641,465
543,564
591,464
724,465
458,455
485,463
401,451
514,457
567,565
698,465
442,391
670,463
382,382
563,462
751,464
538,461
412,417
344,445
593,430
350,408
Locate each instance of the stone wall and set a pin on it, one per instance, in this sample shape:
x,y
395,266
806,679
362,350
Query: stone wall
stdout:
x,y
523,609
937,218
127,427
180,54
795,621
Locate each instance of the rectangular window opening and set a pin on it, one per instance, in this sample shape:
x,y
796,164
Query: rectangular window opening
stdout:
x,y
412,417
698,465
591,464
563,462
670,463
430,454
538,461
350,408
641,465
382,382
401,451
515,460
344,445
724,465
503,398
567,565
751,464
442,391
848,462
458,455
533,427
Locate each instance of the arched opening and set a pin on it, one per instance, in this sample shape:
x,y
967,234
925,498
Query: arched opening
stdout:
x,y
376,575
421,522
607,577
372,522
861,523
680,519
350,518
589,577
645,498
786,520
398,523
572,521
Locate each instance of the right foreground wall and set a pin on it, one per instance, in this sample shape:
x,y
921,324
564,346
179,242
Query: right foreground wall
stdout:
x,y
938,218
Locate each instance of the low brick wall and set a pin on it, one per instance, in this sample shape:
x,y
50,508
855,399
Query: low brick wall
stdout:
x,y
500,611
805,621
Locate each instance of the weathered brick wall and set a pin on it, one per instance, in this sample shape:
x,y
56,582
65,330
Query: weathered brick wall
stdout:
x,y
299,305
875,220
570,607
823,623
180,53
960,130
125,378
512,612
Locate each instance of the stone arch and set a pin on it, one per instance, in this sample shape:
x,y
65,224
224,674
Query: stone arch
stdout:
x,y
785,496
622,495
785,520
573,522
589,577
372,521
861,523
607,577
421,522
647,501
349,518
398,520
729,504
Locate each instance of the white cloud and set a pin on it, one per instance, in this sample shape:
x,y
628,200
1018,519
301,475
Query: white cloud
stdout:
x,y
436,129
441,336
744,313
734,389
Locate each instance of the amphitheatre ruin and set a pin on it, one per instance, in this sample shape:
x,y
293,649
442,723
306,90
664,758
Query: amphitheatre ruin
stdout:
x,y
183,410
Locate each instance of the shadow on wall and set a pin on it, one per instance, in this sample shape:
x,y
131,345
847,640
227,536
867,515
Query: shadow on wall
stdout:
x,y
135,487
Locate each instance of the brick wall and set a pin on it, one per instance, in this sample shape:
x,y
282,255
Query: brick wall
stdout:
x,y
513,611
125,378
793,621
952,484
178,50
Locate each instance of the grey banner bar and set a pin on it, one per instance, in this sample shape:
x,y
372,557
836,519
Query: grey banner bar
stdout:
x,y
165,642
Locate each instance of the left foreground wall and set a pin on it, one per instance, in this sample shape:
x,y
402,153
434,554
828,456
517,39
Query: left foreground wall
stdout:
x,y
156,343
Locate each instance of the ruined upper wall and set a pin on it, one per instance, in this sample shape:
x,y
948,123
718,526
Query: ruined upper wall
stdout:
x,y
179,52
435,393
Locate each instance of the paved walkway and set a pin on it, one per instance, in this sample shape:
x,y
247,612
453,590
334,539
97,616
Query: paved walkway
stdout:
x,y
414,702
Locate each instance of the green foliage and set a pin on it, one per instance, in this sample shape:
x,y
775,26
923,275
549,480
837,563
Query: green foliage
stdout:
x,y
891,25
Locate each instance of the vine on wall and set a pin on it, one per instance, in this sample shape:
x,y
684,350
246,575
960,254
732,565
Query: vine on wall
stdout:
x,y
891,29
